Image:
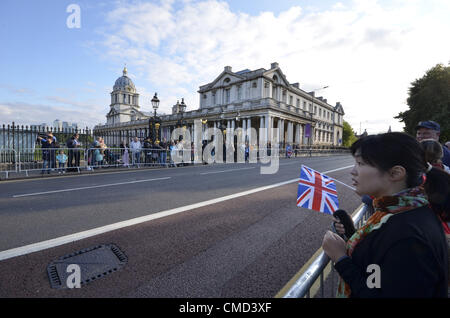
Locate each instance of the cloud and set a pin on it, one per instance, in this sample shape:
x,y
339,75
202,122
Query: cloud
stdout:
x,y
366,52
19,91
23,113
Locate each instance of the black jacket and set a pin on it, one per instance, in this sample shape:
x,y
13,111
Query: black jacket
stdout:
x,y
411,252
49,151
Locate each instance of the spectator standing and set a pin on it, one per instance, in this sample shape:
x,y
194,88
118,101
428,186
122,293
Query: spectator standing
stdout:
x,y
246,151
135,147
163,154
288,151
74,146
432,130
156,152
434,153
404,239
62,159
148,150
48,155
125,154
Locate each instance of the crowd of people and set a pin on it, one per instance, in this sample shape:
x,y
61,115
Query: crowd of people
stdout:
x,y
54,156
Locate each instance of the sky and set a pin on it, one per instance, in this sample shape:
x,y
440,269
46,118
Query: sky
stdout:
x,y
366,51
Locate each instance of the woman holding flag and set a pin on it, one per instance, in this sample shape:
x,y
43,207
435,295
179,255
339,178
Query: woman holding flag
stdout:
x,y
401,251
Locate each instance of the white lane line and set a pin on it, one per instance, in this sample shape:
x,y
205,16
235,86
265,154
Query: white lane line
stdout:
x,y
23,250
221,171
90,187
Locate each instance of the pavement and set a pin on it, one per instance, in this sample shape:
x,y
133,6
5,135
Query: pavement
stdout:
x,y
222,238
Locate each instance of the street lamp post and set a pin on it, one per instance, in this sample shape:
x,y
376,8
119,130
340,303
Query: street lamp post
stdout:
x,y
154,123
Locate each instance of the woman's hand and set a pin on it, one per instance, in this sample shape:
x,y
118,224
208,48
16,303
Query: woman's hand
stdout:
x,y
338,226
334,246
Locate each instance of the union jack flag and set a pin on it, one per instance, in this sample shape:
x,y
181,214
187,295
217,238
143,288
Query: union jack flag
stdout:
x,y
316,191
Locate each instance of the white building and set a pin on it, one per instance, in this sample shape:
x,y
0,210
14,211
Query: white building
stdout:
x,y
245,99
124,102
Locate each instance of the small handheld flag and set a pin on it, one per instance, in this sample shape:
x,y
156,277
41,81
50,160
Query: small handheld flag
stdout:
x,y
316,191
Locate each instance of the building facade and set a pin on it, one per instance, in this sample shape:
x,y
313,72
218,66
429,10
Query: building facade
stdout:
x,y
260,99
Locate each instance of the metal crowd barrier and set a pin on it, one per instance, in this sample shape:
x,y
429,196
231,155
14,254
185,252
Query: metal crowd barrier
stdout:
x,y
301,288
9,161
45,160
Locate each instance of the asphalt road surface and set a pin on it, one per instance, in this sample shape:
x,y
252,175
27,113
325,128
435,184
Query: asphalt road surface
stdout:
x,y
222,230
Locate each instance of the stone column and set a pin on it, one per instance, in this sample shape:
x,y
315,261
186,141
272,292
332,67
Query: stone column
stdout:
x,y
281,130
249,131
291,132
261,133
244,129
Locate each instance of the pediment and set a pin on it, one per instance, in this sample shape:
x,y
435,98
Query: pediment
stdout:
x,y
339,109
226,78
277,76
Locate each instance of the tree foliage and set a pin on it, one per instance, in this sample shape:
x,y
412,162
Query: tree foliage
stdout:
x,y
429,99
348,136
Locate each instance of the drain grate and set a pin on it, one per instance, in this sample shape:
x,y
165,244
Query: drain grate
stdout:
x,y
94,263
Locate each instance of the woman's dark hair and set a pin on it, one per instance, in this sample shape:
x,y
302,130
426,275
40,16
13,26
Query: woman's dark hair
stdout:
x,y
384,151
433,150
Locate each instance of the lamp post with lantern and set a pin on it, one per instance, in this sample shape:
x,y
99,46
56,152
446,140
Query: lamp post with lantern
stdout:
x,y
154,123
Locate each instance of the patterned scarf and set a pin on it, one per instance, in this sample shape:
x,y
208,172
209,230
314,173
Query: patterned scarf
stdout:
x,y
385,207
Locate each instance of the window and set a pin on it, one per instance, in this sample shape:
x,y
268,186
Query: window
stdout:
x,y
304,105
227,96
315,110
266,89
255,85
214,98
320,112
204,96
291,100
124,98
239,92
284,96
226,81
298,102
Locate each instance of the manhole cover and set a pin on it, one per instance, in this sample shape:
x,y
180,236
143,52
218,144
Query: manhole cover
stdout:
x,y
90,263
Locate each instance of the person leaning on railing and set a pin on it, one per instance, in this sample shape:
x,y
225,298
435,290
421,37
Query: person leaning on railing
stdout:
x,y
401,251
48,154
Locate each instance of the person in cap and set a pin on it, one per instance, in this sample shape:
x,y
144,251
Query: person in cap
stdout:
x,y
431,130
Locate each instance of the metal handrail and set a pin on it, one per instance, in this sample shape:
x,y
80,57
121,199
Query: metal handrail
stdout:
x,y
303,284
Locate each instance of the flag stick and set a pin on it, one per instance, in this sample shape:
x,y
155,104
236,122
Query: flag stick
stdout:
x,y
342,183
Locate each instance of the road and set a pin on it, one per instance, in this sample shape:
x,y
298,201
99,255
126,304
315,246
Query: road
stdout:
x,y
222,230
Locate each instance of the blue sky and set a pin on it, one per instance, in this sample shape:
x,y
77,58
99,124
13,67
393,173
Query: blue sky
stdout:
x,y
366,51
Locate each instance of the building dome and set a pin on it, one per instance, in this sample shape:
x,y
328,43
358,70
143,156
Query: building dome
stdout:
x,y
124,83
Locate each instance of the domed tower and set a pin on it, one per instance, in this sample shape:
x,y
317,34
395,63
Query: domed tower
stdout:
x,y
124,101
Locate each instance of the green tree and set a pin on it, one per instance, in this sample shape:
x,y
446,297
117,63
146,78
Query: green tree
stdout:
x,y
429,99
348,136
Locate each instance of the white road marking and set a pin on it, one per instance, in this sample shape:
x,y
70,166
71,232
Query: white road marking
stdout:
x,y
221,171
35,247
90,187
